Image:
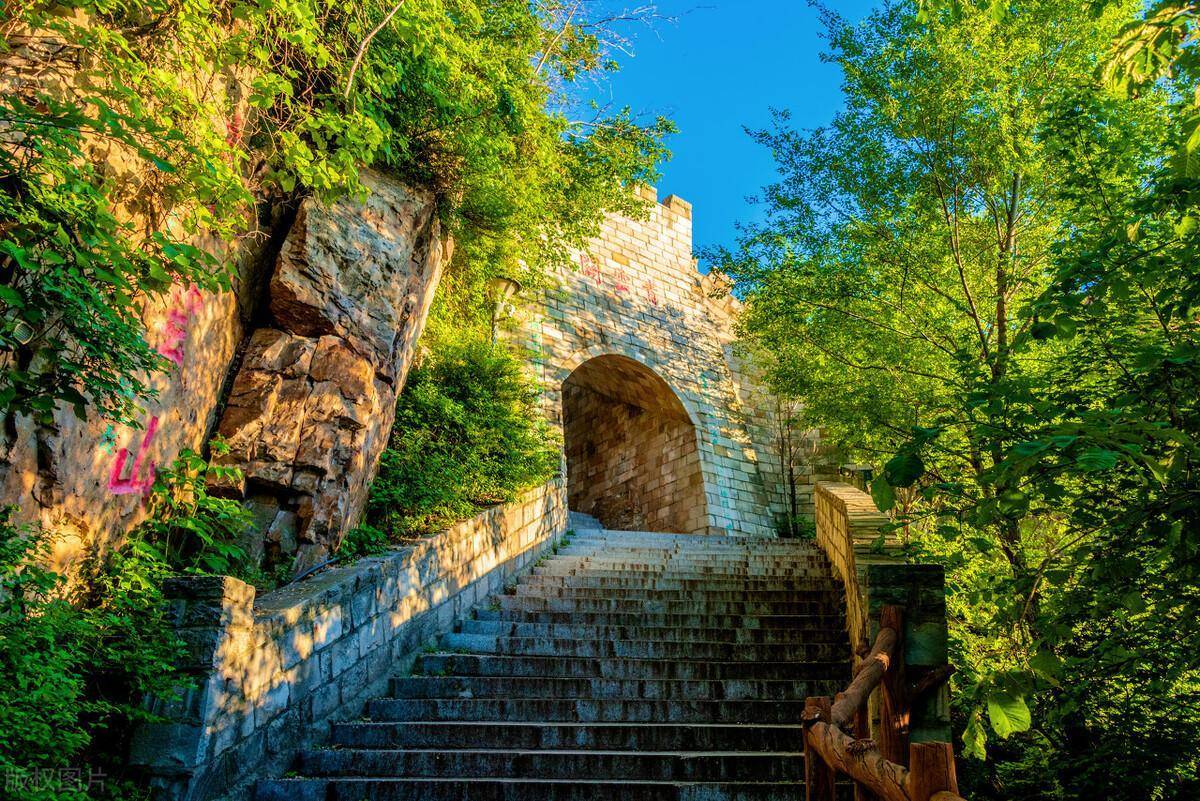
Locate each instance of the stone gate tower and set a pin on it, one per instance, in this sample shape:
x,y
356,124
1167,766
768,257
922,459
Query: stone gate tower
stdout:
x,y
659,425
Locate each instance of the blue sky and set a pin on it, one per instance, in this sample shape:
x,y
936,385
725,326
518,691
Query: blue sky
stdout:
x,y
722,66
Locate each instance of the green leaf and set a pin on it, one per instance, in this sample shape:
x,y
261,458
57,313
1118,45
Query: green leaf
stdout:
x,y
11,297
1043,330
1096,459
883,494
1047,665
1013,503
1008,714
974,737
904,469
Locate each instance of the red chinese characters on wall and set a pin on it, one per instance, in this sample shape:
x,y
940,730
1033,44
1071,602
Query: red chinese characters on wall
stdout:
x,y
649,294
619,281
590,268
140,478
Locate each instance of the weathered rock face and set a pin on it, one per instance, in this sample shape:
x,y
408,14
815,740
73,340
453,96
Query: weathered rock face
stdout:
x,y
313,403
87,479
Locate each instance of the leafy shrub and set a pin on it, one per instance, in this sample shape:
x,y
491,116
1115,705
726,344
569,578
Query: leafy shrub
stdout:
x,y
361,541
77,659
193,531
41,652
75,664
469,433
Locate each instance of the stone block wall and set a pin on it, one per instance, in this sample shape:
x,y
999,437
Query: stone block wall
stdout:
x,y
630,467
848,525
271,673
870,564
780,446
635,292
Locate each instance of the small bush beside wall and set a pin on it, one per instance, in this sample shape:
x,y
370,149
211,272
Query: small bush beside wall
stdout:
x,y
78,657
469,433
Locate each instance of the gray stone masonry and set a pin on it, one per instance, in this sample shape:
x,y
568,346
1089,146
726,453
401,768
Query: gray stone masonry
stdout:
x,y
631,665
851,531
269,675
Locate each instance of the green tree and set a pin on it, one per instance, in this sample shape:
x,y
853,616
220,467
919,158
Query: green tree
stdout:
x,y
977,276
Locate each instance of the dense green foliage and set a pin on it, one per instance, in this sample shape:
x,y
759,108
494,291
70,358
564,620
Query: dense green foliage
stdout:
x,y
77,658
470,432
76,664
983,276
136,130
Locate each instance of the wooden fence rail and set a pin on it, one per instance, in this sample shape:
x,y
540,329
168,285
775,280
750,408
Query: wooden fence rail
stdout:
x,y
836,732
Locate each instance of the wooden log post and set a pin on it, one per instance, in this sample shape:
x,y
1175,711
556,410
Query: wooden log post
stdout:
x,y
862,762
871,672
862,733
893,707
931,772
819,776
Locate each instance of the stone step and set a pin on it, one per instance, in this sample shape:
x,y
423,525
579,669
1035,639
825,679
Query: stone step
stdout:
x,y
692,542
783,554
542,687
823,629
437,664
393,789
781,547
662,766
689,574
644,649
630,665
585,710
584,580
699,620
579,522
568,735
656,538
713,560
802,593
529,603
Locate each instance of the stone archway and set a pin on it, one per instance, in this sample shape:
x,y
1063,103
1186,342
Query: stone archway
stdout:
x,y
631,449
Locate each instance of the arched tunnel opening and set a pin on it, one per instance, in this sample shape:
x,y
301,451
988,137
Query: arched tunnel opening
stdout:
x,y
631,449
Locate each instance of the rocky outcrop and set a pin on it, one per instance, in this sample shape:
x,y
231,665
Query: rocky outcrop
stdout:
x,y
313,403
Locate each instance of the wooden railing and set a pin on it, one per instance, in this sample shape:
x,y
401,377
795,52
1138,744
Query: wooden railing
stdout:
x,y
837,731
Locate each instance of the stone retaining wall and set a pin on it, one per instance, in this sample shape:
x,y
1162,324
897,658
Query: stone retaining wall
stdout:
x,y
847,522
871,564
271,673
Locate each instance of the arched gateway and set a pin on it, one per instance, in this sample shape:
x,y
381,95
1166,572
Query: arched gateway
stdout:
x,y
631,449
632,348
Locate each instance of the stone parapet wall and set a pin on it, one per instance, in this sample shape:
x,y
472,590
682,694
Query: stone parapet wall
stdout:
x,y
868,560
271,673
848,522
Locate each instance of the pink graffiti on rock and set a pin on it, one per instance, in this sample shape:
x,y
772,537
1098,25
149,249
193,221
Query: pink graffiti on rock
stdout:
x,y
136,483
175,328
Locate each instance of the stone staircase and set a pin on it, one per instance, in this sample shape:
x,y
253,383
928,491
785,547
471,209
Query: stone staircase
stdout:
x,y
631,665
